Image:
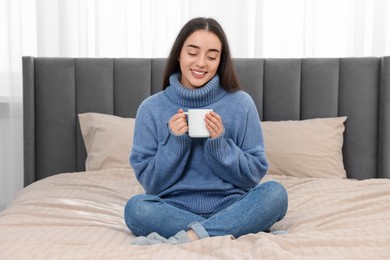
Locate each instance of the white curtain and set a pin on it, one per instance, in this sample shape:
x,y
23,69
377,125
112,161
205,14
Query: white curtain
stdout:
x,y
147,28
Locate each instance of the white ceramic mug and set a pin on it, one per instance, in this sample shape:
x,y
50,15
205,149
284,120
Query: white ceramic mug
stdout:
x,y
196,123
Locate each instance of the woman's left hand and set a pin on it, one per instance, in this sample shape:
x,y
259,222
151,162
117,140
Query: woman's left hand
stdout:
x,y
214,124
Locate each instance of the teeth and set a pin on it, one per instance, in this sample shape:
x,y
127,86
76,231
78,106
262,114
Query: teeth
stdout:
x,y
198,72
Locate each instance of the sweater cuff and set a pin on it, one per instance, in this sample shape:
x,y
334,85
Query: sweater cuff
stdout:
x,y
178,144
216,146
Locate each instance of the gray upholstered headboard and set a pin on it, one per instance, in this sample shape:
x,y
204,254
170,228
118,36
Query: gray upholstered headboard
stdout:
x,y
57,89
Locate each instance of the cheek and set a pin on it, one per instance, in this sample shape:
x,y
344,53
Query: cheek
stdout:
x,y
214,68
184,63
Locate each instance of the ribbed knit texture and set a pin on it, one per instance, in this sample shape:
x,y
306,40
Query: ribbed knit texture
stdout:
x,y
198,174
194,98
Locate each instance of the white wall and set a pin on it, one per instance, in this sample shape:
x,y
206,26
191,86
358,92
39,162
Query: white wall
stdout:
x,y
11,147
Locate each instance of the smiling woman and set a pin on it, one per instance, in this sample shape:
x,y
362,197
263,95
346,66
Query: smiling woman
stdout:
x,y
199,186
199,59
199,54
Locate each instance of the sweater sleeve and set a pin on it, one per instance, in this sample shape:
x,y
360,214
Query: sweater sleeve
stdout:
x,y
157,164
243,164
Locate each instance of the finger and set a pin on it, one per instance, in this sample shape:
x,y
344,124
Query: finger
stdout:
x,y
182,128
179,127
213,114
211,124
178,116
178,123
215,118
213,130
213,133
214,122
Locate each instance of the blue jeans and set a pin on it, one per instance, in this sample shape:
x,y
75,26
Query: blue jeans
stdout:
x,y
256,211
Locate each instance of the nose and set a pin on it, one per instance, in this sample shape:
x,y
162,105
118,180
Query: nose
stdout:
x,y
201,61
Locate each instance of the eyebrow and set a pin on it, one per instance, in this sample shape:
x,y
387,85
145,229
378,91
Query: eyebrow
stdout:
x,y
197,47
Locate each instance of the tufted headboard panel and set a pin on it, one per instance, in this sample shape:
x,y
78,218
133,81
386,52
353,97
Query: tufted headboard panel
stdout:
x,y
56,90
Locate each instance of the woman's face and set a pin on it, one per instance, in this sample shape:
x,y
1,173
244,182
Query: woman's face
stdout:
x,y
199,58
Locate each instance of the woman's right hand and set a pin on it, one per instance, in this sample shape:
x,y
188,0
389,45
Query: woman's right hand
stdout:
x,y
178,123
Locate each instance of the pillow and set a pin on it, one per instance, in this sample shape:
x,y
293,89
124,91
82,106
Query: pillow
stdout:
x,y
108,140
305,148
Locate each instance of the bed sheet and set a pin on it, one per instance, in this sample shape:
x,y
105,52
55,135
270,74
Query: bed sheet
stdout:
x,y
80,216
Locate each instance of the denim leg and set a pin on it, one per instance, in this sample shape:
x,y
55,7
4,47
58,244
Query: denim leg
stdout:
x,y
146,213
256,211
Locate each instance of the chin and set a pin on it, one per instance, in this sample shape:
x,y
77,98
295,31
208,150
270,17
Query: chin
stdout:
x,y
197,84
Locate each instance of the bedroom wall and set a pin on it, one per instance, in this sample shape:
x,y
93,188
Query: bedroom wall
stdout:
x,y
3,125
11,166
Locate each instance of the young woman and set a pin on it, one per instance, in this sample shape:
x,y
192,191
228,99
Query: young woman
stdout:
x,y
200,187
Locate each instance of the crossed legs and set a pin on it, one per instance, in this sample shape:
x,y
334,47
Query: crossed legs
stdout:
x,y
256,211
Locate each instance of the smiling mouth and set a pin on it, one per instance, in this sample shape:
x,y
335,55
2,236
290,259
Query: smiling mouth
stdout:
x,y
198,74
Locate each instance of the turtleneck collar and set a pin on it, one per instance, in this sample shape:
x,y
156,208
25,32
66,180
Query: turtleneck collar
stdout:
x,y
200,97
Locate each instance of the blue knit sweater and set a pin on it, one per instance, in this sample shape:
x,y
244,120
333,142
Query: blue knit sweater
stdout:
x,y
198,174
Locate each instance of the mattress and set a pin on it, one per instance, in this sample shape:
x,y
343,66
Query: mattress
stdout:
x,y
80,215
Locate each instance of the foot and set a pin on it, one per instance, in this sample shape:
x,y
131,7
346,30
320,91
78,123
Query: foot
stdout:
x,y
154,238
279,232
192,235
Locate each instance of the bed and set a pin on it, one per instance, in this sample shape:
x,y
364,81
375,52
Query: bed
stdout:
x,y
326,125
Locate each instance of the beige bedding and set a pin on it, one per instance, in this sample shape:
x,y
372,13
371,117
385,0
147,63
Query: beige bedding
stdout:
x,y
80,216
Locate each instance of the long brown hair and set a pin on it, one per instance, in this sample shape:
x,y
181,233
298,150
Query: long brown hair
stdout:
x,y
227,73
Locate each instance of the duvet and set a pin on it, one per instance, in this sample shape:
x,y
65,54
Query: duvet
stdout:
x,y
80,216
